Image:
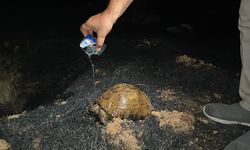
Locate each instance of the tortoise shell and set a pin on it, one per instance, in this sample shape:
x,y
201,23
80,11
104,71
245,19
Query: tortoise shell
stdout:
x,y
124,101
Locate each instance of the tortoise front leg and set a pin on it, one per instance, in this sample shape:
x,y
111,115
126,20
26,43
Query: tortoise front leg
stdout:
x,y
103,116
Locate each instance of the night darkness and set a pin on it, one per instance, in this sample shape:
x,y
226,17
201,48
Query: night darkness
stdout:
x,y
48,79
214,21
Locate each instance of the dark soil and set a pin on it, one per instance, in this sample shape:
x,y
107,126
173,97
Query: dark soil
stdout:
x,y
57,111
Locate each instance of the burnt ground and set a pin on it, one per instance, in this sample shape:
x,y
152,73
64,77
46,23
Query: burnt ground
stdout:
x,y
56,116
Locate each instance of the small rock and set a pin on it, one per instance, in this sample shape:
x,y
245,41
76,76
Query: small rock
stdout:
x,y
190,143
36,143
215,132
97,71
16,116
60,102
63,103
203,120
97,82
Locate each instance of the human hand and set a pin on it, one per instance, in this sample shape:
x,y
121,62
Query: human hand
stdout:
x,y
101,24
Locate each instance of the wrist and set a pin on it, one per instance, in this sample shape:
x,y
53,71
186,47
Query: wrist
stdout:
x,y
112,15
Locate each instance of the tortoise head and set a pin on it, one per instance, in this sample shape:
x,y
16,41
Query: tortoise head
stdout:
x,y
95,108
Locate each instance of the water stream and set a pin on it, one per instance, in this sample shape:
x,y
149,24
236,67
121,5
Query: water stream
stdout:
x,y
93,69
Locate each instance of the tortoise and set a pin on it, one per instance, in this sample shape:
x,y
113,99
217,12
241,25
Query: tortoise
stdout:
x,y
123,100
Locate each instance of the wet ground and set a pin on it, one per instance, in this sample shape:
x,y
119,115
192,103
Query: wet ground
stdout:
x,y
57,116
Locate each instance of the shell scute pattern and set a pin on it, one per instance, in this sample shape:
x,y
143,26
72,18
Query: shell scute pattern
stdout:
x,y
123,100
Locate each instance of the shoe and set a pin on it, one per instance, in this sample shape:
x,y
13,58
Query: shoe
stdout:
x,y
227,114
241,143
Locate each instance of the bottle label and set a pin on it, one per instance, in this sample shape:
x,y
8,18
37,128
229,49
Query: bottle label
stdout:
x,y
87,41
88,45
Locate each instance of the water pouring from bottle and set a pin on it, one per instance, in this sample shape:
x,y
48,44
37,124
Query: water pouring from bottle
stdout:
x,y
88,45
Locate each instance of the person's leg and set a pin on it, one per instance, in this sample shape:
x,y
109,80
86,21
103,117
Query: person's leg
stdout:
x,y
241,143
237,113
244,27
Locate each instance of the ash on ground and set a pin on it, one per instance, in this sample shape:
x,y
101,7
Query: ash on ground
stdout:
x,y
68,88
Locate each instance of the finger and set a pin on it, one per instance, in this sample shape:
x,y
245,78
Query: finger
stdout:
x,y
85,30
100,41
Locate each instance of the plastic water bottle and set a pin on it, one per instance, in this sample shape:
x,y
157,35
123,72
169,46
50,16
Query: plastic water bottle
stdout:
x,y
88,45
